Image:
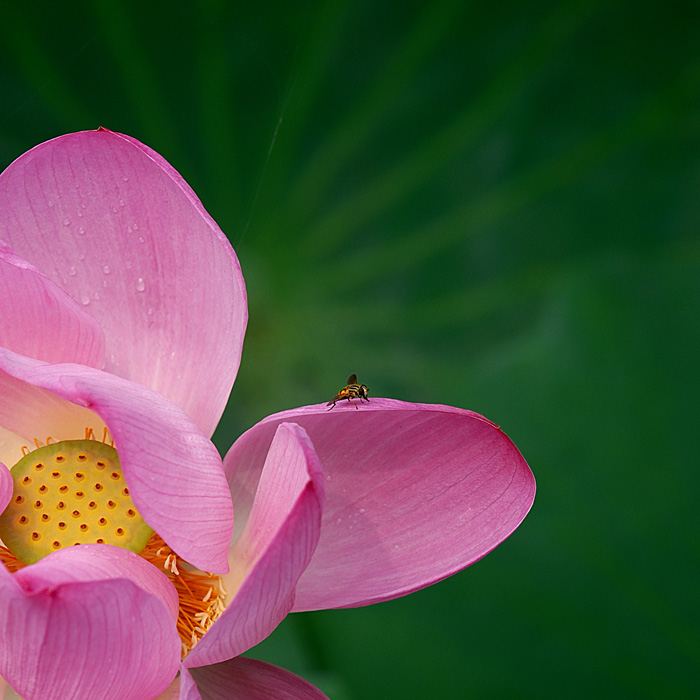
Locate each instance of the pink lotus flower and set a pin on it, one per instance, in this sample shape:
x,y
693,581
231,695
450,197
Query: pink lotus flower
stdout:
x,y
122,316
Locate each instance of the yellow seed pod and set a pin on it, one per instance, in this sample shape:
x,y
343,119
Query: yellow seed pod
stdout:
x,y
68,493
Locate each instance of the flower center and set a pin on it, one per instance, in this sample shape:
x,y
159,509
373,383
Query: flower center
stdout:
x,y
69,493
73,492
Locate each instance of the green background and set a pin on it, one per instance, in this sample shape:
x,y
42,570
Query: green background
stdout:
x,y
493,205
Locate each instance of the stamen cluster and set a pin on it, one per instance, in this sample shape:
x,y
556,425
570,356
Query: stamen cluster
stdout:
x,y
200,594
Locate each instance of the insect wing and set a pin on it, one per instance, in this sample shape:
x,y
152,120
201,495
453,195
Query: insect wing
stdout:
x,y
352,391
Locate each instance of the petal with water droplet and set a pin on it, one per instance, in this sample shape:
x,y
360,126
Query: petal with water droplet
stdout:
x,y
40,320
95,173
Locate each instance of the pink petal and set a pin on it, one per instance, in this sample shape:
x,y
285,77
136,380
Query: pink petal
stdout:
x,y
174,472
95,562
40,320
248,679
87,622
188,688
5,488
172,692
414,493
272,552
112,223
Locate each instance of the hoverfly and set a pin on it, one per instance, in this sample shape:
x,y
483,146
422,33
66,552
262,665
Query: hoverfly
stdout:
x,y
352,391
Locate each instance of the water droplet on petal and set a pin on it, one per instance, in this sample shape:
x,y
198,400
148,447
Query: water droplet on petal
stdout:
x,y
84,299
66,222
72,271
81,231
106,269
140,284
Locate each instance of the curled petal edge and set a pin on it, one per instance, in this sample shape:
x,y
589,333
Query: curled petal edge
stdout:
x,y
414,493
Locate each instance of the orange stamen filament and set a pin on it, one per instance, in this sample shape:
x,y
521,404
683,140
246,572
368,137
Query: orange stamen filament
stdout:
x,y
10,560
200,595
107,439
